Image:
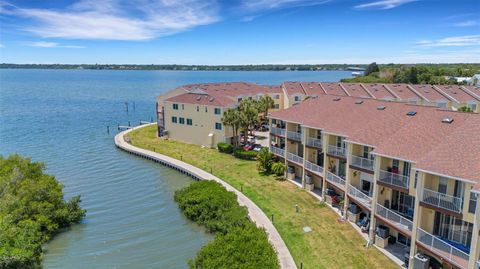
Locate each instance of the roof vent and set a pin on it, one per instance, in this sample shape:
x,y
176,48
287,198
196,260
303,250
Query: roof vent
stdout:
x,y
359,102
199,97
337,99
211,99
381,107
411,113
447,120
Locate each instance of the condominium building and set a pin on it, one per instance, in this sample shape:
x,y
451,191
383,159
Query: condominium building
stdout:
x,y
407,173
189,113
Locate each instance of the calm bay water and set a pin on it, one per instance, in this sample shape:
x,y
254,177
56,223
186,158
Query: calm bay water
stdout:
x,y
60,117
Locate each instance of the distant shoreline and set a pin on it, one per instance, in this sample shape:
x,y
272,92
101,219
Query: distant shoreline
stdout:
x,y
266,67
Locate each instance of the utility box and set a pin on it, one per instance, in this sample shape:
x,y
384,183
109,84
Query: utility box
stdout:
x,y
353,217
309,187
421,261
291,173
381,242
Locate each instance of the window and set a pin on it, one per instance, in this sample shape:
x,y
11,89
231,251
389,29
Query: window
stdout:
x,y
276,96
217,111
249,98
416,179
406,169
175,106
189,121
451,228
183,107
174,119
395,166
365,152
442,185
276,106
473,107
297,98
218,126
239,99
340,142
198,108
473,202
181,120
206,109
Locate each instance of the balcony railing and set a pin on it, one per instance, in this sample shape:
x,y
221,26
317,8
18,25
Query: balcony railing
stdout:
x,y
314,142
332,178
362,162
277,131
314,168
294,158
277,151
443,249
337,151
394,179
294,136
441,200
360,196
398,220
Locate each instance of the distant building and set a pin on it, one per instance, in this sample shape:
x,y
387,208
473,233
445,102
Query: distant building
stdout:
x,y
203,104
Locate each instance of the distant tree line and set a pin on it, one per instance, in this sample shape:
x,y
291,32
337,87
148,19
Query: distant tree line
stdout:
x,y
416,74
263,67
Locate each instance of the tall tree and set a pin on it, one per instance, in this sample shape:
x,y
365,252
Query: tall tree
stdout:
x,y
265,104
249,115
371,68
231,117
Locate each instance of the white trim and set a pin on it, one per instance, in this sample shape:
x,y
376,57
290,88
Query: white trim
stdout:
x,y
443,175
359,143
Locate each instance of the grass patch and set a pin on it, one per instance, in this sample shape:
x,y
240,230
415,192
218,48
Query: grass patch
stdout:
x,y
329,245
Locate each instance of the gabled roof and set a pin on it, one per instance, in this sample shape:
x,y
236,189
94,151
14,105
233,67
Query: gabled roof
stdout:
x,y
458,93
379,91
422,139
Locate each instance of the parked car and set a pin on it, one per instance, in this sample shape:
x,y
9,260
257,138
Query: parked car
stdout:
x,y
257,147
248,147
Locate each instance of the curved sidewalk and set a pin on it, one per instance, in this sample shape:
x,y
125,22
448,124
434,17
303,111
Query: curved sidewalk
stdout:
x,y
254,212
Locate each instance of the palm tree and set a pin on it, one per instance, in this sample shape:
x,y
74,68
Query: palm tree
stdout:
x,y
231,117
249,115
266,102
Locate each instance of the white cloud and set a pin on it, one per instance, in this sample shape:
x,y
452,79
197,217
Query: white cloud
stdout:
x,y
112,19
258,5
384,4
467,23
454,41
45,44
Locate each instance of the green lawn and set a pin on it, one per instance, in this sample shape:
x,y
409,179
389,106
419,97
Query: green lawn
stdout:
x,y
329,245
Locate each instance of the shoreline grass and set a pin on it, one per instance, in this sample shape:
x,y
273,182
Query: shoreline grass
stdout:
x,y
330,244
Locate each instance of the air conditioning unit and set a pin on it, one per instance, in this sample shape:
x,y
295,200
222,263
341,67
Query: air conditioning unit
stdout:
x,y
353,208
382,231
308,179
421,261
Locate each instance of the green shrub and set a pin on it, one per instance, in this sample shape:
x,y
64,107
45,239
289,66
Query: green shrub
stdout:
x,y
209,204
244,154
265,161
278,169
225,147
246,247
238,242
32,210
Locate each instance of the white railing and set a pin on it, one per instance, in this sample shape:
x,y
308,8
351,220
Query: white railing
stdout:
x,y
441,200
360,196
337,151
277,151
443,249
294,158
313,167
394,179
277,131
294,135
362,162
336,180
399,221
314,142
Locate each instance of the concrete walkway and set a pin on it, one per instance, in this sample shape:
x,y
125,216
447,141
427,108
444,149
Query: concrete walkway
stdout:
x,y
254,212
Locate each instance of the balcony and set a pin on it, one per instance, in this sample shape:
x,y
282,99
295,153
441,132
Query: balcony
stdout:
x,y
359,196
443,249
394,179
294,158
336,151
394,218
362,162
317,169
277,151
314,142
336,180
277,131
443,201
294,136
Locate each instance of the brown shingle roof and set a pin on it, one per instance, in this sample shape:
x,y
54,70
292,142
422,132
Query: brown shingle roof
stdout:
x,y
202,99
379,91
403,91
422,138
458,93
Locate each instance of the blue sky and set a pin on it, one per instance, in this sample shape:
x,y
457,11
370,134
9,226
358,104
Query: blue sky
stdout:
x,y
239,31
